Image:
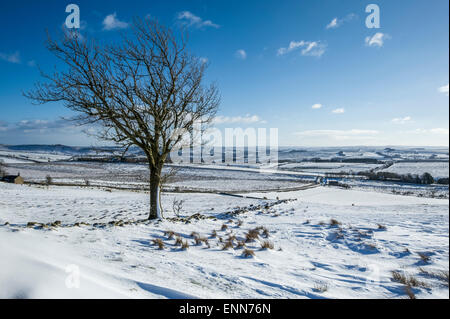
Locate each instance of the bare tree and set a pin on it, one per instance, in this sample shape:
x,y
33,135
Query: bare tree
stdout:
x,y
146,91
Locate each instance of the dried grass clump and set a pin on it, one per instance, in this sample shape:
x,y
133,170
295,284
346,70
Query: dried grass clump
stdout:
x,y
214,234
158,242
240,244
239,223
334,222
194,234
185,245
224,227
252,235
248,253
266,245
227,245
441,275
381,227
169,234
200,240
407,280
178,241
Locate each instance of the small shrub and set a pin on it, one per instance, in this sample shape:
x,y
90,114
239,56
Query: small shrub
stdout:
x,y
441,275
158,242
266,245
224,227
200,240
87,182
227,245
248,253
381,227
178,241
334,222
169,234
177,206
252,235
240,244
407,280
48,180
185,245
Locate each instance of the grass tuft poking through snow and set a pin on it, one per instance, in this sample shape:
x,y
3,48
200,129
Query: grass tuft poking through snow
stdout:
x,y
248,253
158,242
408,280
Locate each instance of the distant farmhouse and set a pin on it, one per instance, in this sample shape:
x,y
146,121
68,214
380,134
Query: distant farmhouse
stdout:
x,y
15,179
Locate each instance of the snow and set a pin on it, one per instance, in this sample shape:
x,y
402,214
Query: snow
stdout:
x,y
352,260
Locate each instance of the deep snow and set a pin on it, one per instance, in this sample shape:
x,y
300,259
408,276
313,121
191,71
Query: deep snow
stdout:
x,y
310,259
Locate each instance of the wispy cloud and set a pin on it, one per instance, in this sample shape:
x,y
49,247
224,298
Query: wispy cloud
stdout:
x,y
333,24
11,57
316,106
436,131
241,54
402,120
336,22
238,119
444,89
338,111
377,40
111,22
353,134
190,19
308,48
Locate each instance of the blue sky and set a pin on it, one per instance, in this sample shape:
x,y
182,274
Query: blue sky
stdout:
x,y
312,69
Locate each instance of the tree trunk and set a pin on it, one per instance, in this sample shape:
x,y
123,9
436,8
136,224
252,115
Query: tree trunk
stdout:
x,y
155,206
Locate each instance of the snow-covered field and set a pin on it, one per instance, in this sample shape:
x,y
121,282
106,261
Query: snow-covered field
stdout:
x,y
87,236
373,234
436,169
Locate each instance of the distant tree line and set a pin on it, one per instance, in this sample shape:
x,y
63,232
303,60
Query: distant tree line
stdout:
x,y
425,178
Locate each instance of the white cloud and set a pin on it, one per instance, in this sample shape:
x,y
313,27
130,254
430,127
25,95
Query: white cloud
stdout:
x,y
402,120
112,23
434,131
333,24
444,89
338,111
353,134
190,19
11,58
439,130
237,119
310,48
336,22
377,40
241,54
317,106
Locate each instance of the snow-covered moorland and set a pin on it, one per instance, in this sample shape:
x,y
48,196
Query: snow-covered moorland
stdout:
x,y
322,242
